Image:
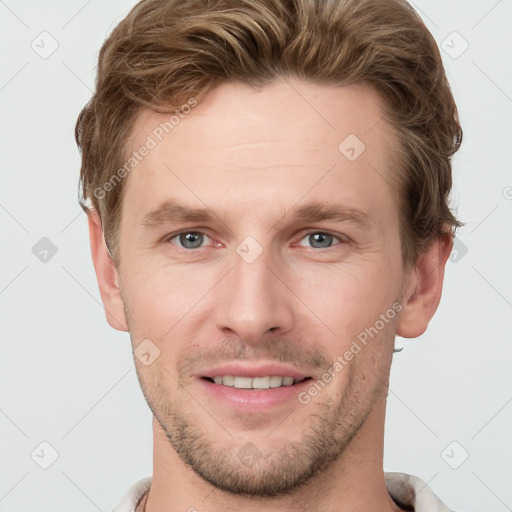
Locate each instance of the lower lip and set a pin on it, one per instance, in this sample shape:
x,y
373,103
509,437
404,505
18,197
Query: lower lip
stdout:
x,y
254,400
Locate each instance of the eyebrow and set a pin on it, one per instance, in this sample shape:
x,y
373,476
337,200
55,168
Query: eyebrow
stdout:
x,y
169,211
315,212
172,212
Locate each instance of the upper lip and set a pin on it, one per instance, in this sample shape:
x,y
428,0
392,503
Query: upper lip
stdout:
x,y
251,370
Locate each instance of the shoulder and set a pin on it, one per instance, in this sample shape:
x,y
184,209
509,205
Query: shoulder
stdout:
x,y
133,495
410,491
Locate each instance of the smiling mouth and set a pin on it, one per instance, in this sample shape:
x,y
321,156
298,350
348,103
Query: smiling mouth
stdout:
x,y
255,383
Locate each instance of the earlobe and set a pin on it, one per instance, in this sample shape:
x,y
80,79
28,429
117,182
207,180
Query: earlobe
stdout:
x,y
106,274
422,298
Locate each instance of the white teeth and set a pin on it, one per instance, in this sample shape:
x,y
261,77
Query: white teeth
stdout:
x,y
242,382
228,380
254,382
276,382
260,382
287,381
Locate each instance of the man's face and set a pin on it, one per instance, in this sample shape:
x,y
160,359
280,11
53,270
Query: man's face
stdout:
x,y
267,287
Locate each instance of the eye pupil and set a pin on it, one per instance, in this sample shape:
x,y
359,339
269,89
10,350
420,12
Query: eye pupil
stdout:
x,y
191,240
323,239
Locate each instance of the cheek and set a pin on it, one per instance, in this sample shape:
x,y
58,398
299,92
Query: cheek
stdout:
x,y
158,296
346,299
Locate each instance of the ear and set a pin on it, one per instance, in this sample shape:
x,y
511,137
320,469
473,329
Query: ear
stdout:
x,y
425,286
106,273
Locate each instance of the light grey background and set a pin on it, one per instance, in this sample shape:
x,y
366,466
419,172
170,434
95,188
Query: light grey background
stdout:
x,y
67,379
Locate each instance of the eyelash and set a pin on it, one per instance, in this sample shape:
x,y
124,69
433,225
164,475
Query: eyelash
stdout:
x,y
341,239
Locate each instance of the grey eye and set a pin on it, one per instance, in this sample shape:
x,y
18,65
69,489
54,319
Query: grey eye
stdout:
x,y
319,240
190,239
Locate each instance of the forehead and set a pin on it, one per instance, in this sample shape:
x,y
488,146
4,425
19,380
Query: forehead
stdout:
x,y
244,148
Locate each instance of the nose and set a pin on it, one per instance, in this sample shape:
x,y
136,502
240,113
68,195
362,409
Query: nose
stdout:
x,y
255,300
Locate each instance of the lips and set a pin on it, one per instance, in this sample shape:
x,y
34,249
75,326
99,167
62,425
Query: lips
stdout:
x,y
252,389
261,377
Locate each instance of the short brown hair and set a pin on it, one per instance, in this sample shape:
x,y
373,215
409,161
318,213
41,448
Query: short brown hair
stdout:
x,y
167,51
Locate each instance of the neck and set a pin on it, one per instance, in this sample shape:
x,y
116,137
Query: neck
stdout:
x,y
355,481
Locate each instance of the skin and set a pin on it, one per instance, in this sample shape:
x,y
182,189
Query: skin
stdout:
x,y
251,156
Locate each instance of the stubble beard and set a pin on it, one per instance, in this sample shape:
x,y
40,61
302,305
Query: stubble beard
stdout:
x,y
274,470
278,471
